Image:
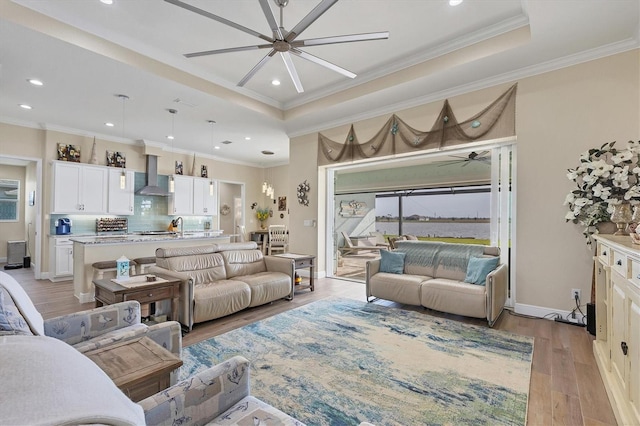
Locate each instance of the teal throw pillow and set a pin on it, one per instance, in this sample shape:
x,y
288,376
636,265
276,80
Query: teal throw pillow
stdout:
x,y
392,262
478,268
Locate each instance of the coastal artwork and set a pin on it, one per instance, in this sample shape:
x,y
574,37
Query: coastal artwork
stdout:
x,y
353,208
68,153
116,159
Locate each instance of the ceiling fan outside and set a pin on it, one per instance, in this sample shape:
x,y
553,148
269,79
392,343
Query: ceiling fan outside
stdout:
x,y
482,157
284,42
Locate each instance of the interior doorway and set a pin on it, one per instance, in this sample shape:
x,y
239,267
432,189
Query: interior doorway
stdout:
x,y
231,207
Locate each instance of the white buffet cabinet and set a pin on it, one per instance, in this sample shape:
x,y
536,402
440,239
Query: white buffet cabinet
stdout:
x,y
617,344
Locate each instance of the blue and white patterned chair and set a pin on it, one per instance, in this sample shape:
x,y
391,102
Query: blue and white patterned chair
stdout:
x,y
85,330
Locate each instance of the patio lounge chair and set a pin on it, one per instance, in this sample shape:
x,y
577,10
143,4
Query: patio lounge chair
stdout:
x,y
350,248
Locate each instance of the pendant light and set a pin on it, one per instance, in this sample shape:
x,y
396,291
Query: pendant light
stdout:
x,y
173,112
211,123
123,175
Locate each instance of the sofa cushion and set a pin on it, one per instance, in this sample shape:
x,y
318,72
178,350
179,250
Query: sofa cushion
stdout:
x,y
454,296
220,298
203,268
252,411
11,321
266,286
478,268
46,381
243,262
399,288
23,302
392,262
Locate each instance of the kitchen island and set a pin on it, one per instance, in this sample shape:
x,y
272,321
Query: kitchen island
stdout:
x,y
90,249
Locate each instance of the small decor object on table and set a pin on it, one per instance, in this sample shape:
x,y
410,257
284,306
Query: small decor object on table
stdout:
x,y
68,153
607,177
122,267
262,213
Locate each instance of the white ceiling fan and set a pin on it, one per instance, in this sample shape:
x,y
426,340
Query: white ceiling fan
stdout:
x,y
284,42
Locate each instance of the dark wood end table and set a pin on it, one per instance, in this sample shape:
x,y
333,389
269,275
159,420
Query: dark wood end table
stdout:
x,y
109,292
139,367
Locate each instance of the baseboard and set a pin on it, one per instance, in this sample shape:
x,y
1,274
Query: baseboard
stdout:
x,y
3,260
544,312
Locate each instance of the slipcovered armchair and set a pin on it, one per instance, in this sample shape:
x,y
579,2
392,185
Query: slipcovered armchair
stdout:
x,y
85,330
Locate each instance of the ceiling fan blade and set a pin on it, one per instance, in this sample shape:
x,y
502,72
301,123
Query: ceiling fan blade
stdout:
x,y
286,57
256,68
268,13
309,19
231,49
219,19
342,39
319,61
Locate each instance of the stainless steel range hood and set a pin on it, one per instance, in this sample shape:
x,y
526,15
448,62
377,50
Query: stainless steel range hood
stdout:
x,y
152,187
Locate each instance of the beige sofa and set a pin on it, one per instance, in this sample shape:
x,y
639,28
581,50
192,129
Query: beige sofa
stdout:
x,y
433,275
220,279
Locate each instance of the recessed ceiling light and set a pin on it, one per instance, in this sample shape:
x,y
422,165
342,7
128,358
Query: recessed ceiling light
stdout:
x,y
247,138
106,1
109,124
35,82
25,106
267,152
170,137
216,147
275,82
454,2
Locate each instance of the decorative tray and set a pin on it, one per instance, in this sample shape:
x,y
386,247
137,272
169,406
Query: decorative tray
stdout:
x,y
138,280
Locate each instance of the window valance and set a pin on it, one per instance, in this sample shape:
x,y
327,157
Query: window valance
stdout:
x,y
397,137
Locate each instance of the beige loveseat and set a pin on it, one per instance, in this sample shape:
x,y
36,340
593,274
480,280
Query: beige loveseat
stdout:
x,y
220,279
433,274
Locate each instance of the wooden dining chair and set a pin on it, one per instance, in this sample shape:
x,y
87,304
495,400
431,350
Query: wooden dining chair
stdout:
x,y
278,239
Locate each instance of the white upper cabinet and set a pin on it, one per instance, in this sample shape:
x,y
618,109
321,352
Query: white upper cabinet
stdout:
x,y
121,199
204,198
79,188
181,201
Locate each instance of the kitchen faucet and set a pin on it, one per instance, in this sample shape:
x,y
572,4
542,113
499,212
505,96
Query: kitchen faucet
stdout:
x,y
175,223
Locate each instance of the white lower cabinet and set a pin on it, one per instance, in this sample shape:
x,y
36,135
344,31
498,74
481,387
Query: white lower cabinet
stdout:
x,y
61,259
617,344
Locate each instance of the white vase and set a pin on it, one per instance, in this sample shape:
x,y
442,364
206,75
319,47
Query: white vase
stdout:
x,y
621,216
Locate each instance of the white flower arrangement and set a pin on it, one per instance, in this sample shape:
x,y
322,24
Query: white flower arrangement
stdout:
x,y
605,177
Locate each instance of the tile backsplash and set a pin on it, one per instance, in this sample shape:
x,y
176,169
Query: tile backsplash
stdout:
x,y
150,214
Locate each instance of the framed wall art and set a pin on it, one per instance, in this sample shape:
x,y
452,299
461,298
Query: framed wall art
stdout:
x,y
116,159
179,168
203,171
68,153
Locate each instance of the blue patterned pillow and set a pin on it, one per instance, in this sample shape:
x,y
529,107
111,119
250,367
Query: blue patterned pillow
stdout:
x,y
11,321
392,262
478,268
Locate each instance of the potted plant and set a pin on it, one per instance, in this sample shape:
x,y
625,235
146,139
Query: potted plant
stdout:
x,y
262,213
607,182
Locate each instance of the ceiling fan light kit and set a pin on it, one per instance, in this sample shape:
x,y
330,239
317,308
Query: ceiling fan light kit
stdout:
x,y
284,42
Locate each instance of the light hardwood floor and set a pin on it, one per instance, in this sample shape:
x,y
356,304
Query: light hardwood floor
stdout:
x,y
566,388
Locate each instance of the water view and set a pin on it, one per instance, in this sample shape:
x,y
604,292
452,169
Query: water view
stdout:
x,y
454,229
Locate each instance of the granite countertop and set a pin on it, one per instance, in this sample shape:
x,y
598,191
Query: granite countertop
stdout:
x,y
137,238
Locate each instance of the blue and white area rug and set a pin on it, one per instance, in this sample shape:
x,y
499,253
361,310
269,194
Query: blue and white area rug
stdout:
x,y
341,361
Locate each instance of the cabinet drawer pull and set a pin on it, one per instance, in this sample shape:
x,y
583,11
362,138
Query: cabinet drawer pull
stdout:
x,y
624,347
619,262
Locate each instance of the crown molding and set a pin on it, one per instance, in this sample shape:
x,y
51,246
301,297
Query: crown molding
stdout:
x,y
510,77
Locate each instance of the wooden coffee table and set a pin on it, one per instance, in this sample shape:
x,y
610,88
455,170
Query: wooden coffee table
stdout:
x,y
139,367
109,292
